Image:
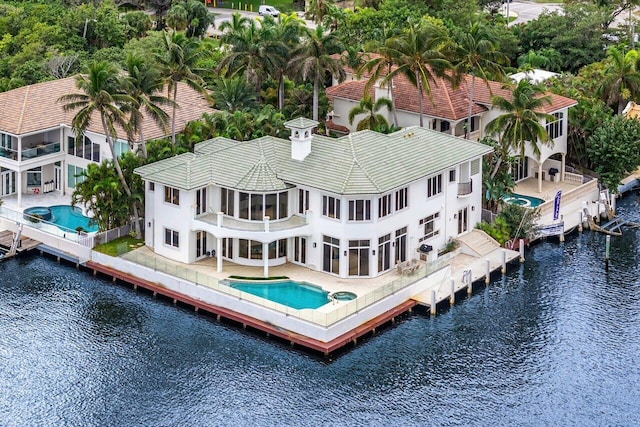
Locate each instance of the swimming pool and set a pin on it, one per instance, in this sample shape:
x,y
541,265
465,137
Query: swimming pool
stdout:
x,y
522,200
293,294
67,218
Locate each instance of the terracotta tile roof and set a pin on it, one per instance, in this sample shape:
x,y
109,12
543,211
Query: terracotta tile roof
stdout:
x,y
444,101
336,127
483,95
36,108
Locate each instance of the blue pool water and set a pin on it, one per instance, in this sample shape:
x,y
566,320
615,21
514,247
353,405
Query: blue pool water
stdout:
x,y
296,295
522,200
67,218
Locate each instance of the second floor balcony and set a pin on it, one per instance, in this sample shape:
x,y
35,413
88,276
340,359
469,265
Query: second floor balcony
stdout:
x,y
465,188
31,152
227,226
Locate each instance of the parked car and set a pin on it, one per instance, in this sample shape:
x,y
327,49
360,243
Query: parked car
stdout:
x,y
268,10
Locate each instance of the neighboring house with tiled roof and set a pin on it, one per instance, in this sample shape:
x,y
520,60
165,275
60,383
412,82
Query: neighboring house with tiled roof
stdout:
x,y
38,149
445,109
351,207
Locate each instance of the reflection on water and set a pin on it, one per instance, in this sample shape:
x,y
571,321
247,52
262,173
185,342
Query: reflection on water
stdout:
x,y
555,342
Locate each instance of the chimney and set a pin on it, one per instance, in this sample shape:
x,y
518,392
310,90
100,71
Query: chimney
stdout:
x,y
301,135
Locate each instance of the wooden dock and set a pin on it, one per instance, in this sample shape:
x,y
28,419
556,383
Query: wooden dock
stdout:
x,y
25,245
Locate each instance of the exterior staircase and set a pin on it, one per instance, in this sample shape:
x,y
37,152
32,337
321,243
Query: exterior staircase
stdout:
x,y
477,243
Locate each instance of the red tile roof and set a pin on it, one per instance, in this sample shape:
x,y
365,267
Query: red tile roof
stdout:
x,y
36,108
444,101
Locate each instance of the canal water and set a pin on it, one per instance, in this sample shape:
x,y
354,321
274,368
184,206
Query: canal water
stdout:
x,y
555,342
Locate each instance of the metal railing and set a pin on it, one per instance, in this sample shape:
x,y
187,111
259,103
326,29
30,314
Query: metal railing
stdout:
x,y
324,317
36,222
31,153
465,188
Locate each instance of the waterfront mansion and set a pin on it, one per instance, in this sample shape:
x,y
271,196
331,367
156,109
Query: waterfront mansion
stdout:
x,y
350,207
39,151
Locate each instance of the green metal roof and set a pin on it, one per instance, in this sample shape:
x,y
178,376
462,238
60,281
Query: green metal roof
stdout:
x,y
364,162
301,123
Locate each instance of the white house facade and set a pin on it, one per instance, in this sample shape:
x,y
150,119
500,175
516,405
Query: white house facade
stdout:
x,y
349,207
445,109
39,151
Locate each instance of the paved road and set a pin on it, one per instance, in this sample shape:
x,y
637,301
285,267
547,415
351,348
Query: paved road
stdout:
x,y
528,10
524,10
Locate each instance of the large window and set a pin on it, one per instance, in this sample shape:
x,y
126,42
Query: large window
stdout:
x,y
252,249
428,226
227,201
434,186
201,201
359,210
171,195
331,255
34,177
74,175
257,206
171,238
359,257
402,198
303,201
384,206
86,149
554,129
331,207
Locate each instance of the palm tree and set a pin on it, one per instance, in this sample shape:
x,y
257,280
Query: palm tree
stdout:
x,y
256,52
373,118
419,53
313,60
477,55
178,61
144,85
233,94
380,65
621,78
521,123
102,94
288,29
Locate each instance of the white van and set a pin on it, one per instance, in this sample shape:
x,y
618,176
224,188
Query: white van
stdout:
x,y
268,10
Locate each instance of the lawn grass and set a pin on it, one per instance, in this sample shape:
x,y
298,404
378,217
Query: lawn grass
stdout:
x,y
284,6
119,246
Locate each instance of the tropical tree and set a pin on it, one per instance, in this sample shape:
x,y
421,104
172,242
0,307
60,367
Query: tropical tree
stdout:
x,y
419,52
255,52
373,118
476,55
99,190
102,94
621,78
317,9
313,60
521,122
191,16
614,150
178,60
287,29
144,85
233,94
379,66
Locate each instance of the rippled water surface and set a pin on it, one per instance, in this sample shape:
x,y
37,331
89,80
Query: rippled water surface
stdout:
x,y
555,342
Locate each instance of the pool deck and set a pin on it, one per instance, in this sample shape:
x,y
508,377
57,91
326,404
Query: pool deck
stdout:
x,y
31,200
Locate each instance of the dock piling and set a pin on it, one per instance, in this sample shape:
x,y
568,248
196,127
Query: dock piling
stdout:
x,y
432,302
607,249
466,278
487,276
452,296
521,248
503,270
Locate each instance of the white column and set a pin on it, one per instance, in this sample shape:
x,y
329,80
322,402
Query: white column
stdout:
x,y
265,258
564,155
219,255
539,177
19,187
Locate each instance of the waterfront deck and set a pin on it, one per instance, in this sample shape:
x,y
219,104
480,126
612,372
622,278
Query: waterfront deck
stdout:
x,y
26,244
